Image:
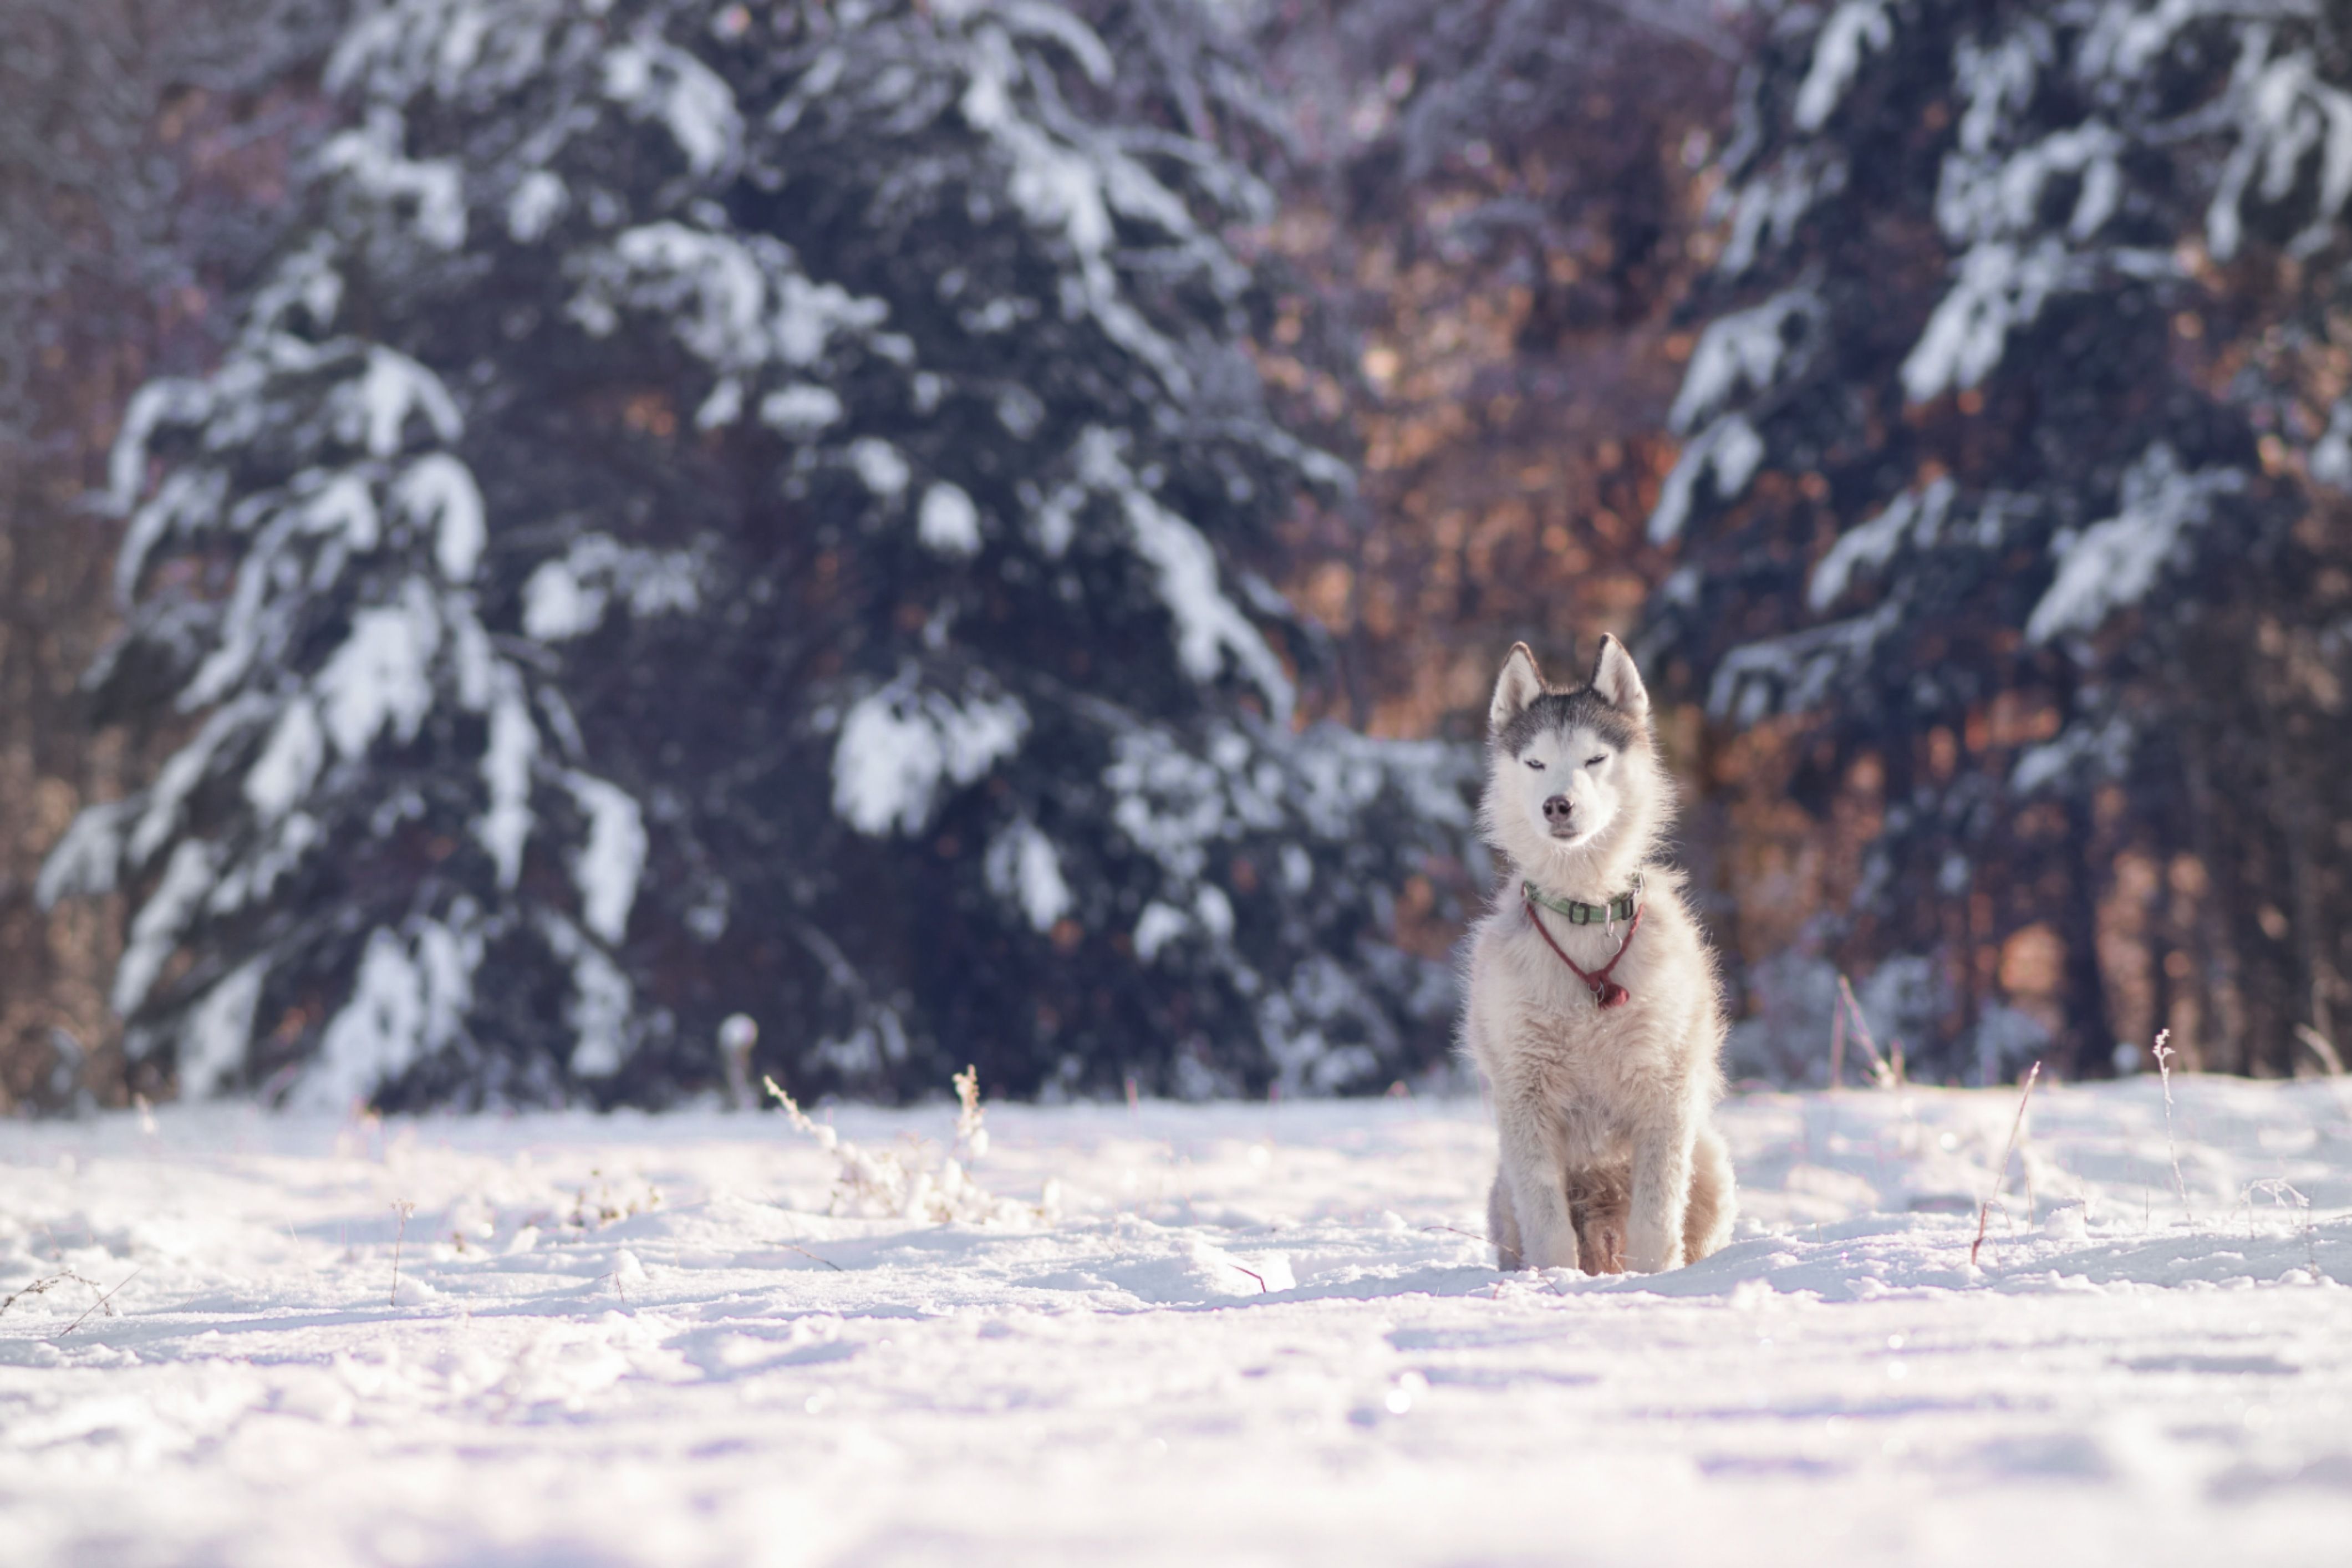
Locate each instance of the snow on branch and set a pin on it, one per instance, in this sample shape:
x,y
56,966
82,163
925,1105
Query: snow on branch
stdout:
x,y
2114,563
693,102
1747,351
2288,119
371,158
1915,517
900,745
1854,25
1730,449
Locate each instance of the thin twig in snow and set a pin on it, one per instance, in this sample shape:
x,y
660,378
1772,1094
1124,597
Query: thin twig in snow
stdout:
x,y
1452,1230
1984,1212
101,1302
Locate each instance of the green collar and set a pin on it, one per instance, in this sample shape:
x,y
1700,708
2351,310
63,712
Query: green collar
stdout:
x,y
1620,908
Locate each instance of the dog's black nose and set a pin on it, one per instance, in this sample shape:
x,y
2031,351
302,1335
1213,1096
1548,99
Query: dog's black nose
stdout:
x,y
1558,809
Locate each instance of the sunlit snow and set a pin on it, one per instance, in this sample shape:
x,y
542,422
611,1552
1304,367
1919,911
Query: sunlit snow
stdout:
x,y
1235,1333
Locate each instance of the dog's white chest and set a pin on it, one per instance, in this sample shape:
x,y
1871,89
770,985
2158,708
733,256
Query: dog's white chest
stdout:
x,y
1542,1014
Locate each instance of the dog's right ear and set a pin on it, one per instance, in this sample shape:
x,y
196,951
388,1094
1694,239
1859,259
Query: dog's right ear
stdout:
x,y
1520,684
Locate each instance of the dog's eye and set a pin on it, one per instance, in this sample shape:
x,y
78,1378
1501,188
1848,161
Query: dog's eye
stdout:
x,y
1596,762
1534,765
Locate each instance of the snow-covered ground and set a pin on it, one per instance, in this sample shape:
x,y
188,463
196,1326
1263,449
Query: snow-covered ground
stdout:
x,y
1233,1334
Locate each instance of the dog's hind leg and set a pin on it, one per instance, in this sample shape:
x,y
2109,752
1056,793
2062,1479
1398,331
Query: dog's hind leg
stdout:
x,y
1706,1220
1503,1226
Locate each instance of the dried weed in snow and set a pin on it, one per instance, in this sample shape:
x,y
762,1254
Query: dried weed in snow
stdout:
x,y
2163,1054
906,1182
2001,1177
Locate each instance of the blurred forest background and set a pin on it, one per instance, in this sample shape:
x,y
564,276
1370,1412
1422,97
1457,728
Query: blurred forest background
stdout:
x,y
984,531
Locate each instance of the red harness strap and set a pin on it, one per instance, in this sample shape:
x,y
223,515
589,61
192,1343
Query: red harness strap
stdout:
x,y
1605,991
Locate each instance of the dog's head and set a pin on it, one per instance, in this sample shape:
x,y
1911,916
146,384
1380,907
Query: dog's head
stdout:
x,y
1571,774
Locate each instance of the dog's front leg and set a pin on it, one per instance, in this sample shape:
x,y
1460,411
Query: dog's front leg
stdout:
x,y
1662,1179
1534,1170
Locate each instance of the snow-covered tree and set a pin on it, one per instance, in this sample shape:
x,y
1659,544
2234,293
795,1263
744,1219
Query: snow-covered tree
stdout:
x,y
744,508
1966,409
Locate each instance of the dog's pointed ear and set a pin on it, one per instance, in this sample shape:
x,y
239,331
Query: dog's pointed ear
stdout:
x,y
1617,682
1520,684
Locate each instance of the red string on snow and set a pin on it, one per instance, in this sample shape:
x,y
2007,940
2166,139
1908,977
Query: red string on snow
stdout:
x,y
1605,991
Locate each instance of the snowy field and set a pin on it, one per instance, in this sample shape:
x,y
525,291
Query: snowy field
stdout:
x,y
1231,1334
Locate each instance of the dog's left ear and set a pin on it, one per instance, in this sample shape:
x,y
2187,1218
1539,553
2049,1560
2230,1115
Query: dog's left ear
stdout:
x,y
1617,682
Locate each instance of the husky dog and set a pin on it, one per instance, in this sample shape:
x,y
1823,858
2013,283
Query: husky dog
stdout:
x,y
1592,1007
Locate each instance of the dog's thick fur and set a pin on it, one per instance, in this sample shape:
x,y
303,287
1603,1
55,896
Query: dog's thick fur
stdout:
x,y
1609,1157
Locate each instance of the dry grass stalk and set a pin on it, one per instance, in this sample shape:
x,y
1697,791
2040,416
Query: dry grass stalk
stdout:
x,y
1984,1210
1837,1039
1883,1074
2164,1054
1455,1230
2280,1191
804,1252
971,1136
403,1208
2323,1047
47,1283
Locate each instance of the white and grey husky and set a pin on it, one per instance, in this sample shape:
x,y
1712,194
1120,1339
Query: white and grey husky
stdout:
x,y
1592,1007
